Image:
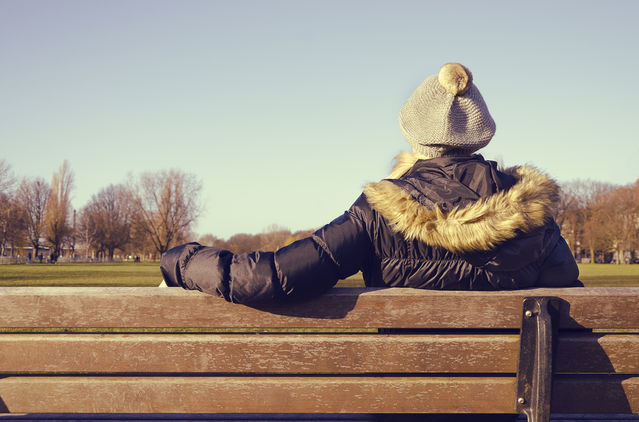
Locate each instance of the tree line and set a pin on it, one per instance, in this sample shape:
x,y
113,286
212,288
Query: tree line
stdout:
x,y
152,213
600,221
156,211
273,238
147,216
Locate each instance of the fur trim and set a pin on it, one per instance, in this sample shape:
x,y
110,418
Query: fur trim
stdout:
x,y
477,227
455,78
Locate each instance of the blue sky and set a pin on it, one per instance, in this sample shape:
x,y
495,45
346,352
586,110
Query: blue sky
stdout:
x,y
285,109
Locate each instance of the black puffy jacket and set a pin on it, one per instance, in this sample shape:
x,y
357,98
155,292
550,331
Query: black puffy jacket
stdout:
x,y
453,223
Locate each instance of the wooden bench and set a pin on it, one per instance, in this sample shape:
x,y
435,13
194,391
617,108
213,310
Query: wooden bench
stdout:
x,y
354,353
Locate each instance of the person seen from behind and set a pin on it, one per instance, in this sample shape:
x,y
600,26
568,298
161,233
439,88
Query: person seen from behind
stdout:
x,y
445,218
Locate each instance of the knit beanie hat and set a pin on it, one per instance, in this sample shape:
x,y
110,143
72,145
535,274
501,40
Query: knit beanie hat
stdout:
x,y
446,115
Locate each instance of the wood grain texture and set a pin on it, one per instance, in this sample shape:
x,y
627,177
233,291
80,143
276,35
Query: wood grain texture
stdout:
x,y
217,417
258,395
596,394
56,307
306,354
614,353
584,394
275,354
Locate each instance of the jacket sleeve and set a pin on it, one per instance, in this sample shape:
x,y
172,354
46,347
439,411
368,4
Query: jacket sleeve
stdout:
x,y
301,270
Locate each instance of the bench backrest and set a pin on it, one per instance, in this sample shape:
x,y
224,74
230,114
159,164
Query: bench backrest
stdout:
x,y
135,350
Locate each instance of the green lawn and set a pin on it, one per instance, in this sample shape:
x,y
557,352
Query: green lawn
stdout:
x,y
609,275
148,274
98,274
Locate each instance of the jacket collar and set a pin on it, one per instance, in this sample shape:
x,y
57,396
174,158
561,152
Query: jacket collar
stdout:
x,y
479,226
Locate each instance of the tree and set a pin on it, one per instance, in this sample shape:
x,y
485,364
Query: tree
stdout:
x,y
209,239
59,209
140,241
243,242
622,221
7,179
166,204
11,224
271,239
586,215
107,219
569,214
32,198
298,235
594,210
635,195
274,237
8,214
73,234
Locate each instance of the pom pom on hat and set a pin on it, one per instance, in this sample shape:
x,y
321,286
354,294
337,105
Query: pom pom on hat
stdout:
x,y
455,78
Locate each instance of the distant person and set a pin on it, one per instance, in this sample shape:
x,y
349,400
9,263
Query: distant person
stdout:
x,y
445,218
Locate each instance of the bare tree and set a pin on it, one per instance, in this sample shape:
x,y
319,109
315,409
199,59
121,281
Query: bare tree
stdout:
x,y
635,195
594,211
585,216
140,241
209,239
271,239
7,180
243,242
622,226
569,216
72,239
274,237
167,204
32,197
5,220
57,226
108,218
6,204
11,224
300,234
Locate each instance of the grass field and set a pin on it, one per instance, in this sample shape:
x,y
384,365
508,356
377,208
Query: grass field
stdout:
x,y
148,274
609,275
98,274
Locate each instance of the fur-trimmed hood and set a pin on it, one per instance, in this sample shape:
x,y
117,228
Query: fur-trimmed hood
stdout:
x,y
473,220
461,207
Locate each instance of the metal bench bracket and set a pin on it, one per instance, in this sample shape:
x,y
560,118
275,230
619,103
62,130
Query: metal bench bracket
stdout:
x,y
535,368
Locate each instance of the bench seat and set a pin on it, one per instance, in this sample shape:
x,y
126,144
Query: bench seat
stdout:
x,y
350,352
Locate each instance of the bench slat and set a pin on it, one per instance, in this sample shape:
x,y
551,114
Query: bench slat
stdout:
x,y
152,307
598,353
604,394
254,395
296,353
283,354
595,394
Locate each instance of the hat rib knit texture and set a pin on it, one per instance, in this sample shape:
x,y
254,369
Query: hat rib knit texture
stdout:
x,y
447,114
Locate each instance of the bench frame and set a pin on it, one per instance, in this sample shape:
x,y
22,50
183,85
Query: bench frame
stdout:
x,y
535,367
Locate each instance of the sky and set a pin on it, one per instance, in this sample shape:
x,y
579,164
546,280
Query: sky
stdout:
x,y
284,110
